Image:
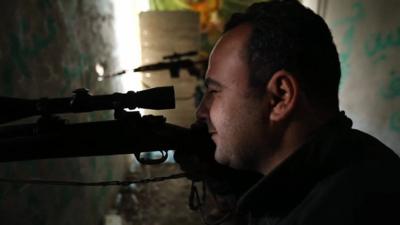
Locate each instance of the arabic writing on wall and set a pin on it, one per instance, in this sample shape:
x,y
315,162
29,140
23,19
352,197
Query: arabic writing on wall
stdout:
x,y
369,46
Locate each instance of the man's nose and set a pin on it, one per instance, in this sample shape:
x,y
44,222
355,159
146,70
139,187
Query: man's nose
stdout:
x,y
202,110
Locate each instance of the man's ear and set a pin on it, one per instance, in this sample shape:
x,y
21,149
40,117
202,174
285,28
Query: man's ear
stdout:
x,y
283,90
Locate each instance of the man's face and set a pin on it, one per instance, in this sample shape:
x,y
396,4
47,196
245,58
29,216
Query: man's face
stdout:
x,y
236,117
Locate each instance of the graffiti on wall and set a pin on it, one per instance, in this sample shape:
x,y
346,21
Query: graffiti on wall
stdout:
x,y
377,48
350,24
379,43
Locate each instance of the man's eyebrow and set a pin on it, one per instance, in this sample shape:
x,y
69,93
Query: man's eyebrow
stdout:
x,y
211,82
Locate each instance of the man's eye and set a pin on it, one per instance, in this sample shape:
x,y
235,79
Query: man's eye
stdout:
x,y
212,91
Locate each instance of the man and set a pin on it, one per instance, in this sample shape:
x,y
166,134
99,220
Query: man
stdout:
x,y
271,107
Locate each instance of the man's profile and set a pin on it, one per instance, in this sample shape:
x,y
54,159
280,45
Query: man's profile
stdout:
x,y
271,107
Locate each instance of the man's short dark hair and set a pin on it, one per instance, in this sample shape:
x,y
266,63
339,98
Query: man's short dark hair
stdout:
x,y
286,35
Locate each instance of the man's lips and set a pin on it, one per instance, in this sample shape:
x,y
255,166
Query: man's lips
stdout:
x,y
213,136
211,129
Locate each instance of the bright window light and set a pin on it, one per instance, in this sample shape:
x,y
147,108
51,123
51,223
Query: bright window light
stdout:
x,y
127,33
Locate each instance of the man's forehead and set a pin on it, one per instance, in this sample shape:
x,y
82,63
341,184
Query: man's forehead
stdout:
x,y
233,43
229,51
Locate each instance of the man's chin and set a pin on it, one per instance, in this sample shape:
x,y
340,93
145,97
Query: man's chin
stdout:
x,y
225,161
220,158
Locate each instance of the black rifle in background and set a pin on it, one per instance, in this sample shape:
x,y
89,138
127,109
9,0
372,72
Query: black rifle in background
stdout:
x,y
174,63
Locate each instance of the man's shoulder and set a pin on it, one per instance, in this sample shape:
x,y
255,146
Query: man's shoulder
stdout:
x,y
375,158
366,191
357,160
374,172
360,194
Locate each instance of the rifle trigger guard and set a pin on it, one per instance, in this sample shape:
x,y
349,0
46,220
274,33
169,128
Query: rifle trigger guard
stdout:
x,y
163,158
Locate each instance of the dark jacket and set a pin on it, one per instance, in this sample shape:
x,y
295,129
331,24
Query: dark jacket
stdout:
x,y
340,176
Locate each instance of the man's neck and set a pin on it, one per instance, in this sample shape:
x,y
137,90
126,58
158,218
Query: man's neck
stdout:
x,y
296,134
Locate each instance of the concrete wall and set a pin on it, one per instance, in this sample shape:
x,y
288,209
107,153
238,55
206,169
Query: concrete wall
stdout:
x,y
367,34
49,48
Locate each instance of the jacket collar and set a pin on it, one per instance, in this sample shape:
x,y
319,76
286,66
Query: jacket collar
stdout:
x,y
288,184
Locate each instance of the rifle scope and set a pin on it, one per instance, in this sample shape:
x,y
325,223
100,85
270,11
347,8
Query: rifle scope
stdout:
x,y
17,108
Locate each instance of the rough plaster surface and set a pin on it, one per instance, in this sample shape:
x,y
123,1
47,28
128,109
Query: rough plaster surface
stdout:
x,y
367,34
49,48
